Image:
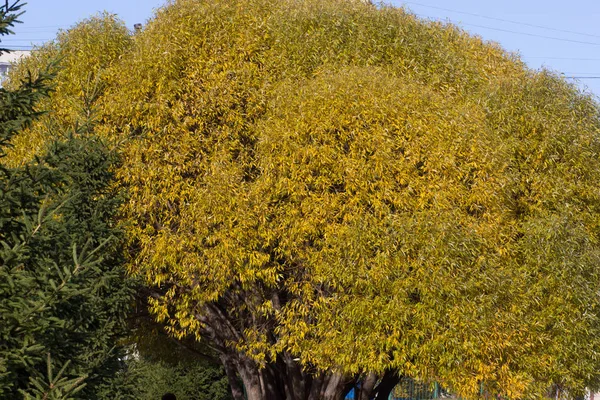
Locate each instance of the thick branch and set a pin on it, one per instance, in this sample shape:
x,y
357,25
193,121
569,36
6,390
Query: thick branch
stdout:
x,y
383,390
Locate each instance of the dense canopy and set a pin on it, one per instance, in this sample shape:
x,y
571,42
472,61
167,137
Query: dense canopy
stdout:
x,y
347,190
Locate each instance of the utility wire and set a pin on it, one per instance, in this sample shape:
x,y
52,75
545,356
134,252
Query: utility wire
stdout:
x,y
504,20
535,35
579,73
24,40
578,76
43,27
515,32
563,58
20,31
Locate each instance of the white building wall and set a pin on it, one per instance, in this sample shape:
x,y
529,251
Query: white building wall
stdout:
x,y
7,60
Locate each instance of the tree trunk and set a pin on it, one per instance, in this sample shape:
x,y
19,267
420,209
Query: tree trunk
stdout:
x,y
248,371
334,388
296,383
272,382
285,380
237,391
315,387
367,386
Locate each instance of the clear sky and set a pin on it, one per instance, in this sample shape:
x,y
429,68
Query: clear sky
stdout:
x,y
562,36
43,18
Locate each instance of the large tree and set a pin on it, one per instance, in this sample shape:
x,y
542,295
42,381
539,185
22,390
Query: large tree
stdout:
x,y
336,195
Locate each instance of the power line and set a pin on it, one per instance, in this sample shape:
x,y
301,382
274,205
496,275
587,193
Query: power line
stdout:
x,y
535,35
580,75
22,28
20,32
563,58
504,20
518,33
24,40
43,27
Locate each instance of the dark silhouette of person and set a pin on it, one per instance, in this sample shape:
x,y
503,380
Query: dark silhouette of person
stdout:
x,y
169,396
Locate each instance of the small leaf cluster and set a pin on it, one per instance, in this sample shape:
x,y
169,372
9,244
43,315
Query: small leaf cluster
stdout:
x,y
53,387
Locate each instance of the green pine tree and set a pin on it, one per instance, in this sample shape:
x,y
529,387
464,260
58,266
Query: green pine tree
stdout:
x,y
63,291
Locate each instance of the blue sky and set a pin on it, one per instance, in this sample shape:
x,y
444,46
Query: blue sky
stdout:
x,y
562,36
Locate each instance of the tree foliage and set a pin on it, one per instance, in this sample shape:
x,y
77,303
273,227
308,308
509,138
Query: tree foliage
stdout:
x,y
63,289
83,53
335,192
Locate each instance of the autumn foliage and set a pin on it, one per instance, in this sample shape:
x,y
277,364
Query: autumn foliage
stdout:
x,y
332,192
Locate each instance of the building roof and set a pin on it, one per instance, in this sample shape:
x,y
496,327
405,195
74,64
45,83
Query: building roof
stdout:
x,y
7,58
